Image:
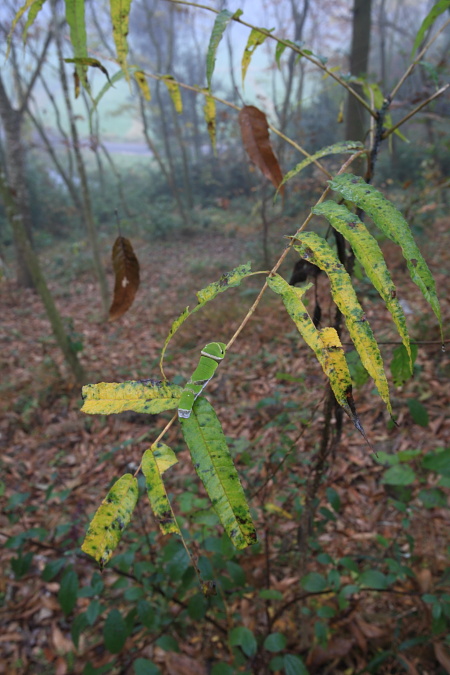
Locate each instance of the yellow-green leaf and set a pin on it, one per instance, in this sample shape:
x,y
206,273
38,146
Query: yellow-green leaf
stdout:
x,y
35,6
209,110
120,11
325,344
376,99
174,91
110,520
391,222
140,78
87,61
255,39
212,460
315,249
155,461
336,149
146,396
226,281
370,256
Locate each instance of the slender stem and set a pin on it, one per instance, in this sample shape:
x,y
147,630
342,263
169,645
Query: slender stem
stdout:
x,y
289,44
413,112
417,60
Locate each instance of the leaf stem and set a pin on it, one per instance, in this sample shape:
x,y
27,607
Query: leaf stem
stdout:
x,y
413,112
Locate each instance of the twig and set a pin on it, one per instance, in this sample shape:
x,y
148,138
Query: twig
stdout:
x,y
413,112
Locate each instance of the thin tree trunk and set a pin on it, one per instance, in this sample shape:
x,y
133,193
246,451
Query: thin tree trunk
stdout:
x,y
32,262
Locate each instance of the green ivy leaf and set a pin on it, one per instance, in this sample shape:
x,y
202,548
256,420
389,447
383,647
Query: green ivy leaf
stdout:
x,y
68,591
418,412
400,474
145,667
314,582
293,665
275,642
373,579
114,632
243,637
438,462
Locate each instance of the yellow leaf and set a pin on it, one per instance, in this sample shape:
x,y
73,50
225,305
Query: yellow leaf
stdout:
x,y
143,84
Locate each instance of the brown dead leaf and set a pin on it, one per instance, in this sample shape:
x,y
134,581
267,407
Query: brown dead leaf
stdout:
x,y
424,579
255,137
126,270
61,644
337,648
180,664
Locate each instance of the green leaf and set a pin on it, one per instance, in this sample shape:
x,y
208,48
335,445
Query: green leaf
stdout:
x,y
114,632
222,20
373,579
168,643
222,669
110,520
316,250
437,9
334,499
418,412
255,39
433,498
358,373
197,607
370,256
401,364
243,637
76,21
275,642
226,281
279,51
314,582
174,91
391,222
79,624
68,591
145,667
325,343
212,460
120,11
438,462
87,61
52,568
293,665
93,611
154,462
400,474
32,14
147,396
347,147
376,99
115,78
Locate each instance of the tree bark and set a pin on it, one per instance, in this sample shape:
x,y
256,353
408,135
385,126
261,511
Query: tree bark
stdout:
x,y
356,119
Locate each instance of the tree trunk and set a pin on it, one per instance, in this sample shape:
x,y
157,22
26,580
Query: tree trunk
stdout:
x,y
356,119
32,263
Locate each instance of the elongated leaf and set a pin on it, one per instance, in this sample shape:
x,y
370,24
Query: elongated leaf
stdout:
x,y
115,78
35,6
391,222
336,149
437,9
150,397
325,344
120,11
370,256
174,91
87,61
255,137
140,78
209,110
75,19
110,520
214,465
126,270
155,461
222,20
32,14
376,99
255,39
316,250
226,281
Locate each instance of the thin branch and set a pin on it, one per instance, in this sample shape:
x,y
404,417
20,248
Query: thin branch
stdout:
x,y
292,46
413,112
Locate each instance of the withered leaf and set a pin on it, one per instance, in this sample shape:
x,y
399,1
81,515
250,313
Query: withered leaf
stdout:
x,y
255,136
126,270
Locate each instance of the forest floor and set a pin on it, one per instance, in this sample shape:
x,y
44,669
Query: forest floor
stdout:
x,y
57,465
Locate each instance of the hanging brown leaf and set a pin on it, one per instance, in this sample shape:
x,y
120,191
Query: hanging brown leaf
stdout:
x,y
255,136
126,270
